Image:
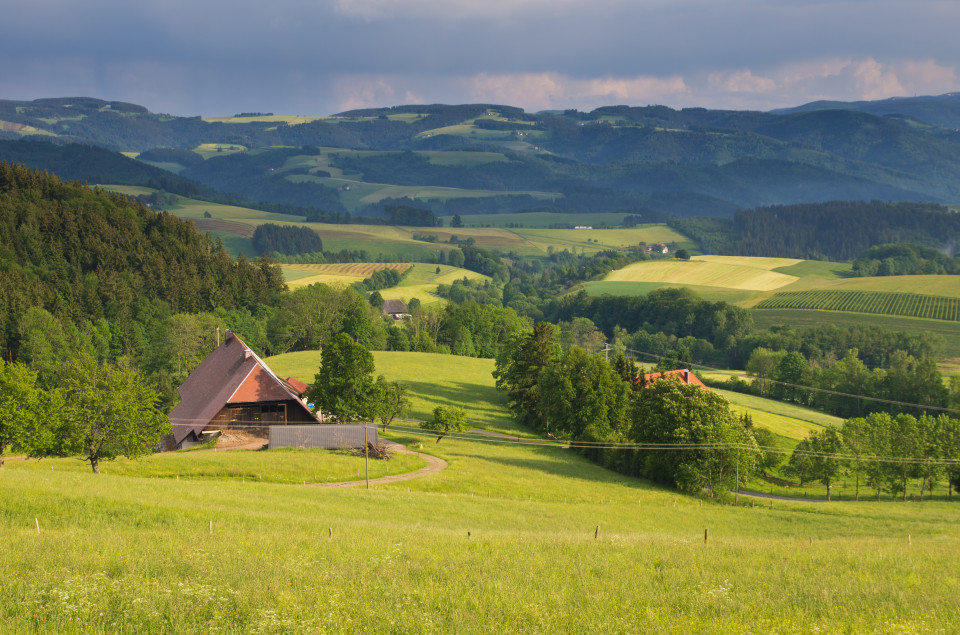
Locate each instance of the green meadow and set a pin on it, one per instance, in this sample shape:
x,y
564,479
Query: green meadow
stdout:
x,y
433,380
508,538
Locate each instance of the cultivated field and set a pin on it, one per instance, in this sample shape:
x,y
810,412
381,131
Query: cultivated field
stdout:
x,y
536,220
399,242
882,303
336,274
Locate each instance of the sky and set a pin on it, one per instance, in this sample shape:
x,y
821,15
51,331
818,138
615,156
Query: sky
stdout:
x,y
320,57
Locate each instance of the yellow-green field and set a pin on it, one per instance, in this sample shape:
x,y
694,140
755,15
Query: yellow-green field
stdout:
x,y
508,538
207,150
592,240
434,380
422,281
397,240
710,271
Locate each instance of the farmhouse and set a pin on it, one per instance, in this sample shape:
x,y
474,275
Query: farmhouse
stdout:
x,y
684,376
396,309
657,248
234,388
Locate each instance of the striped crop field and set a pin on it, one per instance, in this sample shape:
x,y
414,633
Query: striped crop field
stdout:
x,y
336,273
905,304
357,269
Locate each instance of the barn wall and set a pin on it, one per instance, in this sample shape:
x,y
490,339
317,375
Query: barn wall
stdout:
x,y
259,417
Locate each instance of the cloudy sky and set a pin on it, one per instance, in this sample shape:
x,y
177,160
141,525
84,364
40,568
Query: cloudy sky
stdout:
x,y
298,57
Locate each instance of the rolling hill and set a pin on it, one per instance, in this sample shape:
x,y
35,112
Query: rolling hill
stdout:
x,y
479,158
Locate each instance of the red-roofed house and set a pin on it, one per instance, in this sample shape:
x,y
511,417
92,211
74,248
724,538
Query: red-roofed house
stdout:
x,y
234,388
684,375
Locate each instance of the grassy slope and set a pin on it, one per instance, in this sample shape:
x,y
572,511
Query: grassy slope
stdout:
x,y
123,554
282,465
128,554
433,379
422,281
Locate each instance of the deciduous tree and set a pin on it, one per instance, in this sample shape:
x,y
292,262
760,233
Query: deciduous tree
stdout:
x,y
109,411
446,419
344,384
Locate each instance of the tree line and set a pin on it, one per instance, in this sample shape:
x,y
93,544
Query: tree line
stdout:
x,y
904,260
926,447
833,230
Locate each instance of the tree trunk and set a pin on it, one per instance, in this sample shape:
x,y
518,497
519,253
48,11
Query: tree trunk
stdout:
x,y
95,464
3,446
828,491
923,486
904,489
858,483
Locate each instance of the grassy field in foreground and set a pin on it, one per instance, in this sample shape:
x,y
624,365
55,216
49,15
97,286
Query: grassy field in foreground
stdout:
x,y
434,380
555,544
282,465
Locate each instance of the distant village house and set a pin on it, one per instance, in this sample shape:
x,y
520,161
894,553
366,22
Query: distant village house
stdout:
x,y
396,309
657,248
684,376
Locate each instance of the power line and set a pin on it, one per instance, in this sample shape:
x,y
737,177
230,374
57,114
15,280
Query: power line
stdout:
x,y
742,374
664,446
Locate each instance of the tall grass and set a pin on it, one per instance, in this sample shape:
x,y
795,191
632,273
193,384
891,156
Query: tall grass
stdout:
x,y
122,554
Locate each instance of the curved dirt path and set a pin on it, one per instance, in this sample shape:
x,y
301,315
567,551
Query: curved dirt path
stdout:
x,y
433,466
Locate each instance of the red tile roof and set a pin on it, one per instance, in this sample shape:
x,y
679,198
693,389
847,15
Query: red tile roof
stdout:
x,y
298,386
684,375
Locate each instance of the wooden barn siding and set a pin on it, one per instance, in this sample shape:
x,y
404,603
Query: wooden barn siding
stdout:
x,y
251,418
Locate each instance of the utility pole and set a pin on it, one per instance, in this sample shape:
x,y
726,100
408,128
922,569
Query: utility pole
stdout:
x,y
736,496
606,351
218,337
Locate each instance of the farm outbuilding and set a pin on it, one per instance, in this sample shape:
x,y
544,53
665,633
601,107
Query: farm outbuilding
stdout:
x,y
234,389
397,309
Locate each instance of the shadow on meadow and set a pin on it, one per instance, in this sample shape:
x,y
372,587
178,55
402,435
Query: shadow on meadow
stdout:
x,y
569,466
471,397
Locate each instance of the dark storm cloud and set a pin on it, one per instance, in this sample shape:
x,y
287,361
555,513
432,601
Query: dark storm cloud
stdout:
x,y
298,57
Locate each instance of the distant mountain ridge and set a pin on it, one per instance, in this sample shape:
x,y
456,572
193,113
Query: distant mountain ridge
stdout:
x,y
940,110
470,158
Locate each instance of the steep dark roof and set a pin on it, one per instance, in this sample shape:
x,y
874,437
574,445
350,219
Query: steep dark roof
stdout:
x,y
391,307
230,374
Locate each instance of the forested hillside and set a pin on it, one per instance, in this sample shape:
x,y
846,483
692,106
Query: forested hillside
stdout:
x,y
85,256
837,230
